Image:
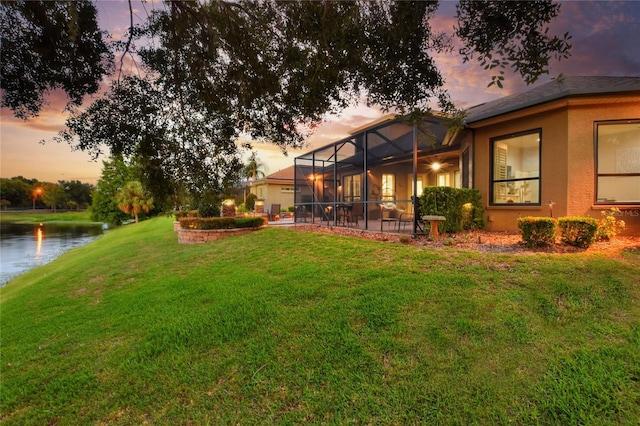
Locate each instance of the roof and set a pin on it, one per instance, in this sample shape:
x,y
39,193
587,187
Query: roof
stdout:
x,y
561,88
284,176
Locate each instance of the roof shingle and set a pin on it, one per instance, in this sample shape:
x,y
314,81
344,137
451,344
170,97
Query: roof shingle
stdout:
x,y
567,86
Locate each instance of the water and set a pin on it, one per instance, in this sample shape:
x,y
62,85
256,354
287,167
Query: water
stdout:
x,y
25,246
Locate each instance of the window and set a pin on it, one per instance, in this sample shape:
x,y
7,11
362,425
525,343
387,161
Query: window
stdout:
x,y
618,162
515,174
388,186
442,179
419,184
351,188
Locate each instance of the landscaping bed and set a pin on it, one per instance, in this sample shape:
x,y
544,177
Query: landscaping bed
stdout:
x,y
484,241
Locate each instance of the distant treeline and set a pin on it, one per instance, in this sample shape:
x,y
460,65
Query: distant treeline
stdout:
x,y
22,193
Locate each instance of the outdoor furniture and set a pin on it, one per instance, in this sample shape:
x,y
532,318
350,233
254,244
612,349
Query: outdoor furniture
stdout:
x,y
328,214
357,210
433,220
405,217
302,213
274,212
392,217
342,213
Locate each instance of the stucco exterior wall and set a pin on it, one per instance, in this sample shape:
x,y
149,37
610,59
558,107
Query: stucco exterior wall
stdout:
x,y
582,179
273,194
553,169
567,173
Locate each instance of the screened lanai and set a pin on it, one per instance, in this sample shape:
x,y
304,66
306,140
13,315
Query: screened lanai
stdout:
x,y
368,180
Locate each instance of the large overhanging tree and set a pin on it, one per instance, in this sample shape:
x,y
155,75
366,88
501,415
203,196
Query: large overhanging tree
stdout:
x,y
273,69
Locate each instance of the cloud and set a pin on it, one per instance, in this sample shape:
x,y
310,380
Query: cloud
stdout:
x,y
605,37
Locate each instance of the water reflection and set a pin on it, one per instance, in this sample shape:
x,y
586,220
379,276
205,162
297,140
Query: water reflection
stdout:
x,y
39,239
23,246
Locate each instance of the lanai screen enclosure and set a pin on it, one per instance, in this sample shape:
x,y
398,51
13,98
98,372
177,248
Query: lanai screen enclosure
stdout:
x,y
377,170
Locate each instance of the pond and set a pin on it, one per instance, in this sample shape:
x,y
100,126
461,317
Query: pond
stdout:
x,y
25,246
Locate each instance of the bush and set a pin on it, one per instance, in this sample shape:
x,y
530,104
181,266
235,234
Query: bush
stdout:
x,y
609,226
185,213
579,231
538,231
208,210
461,207
250,204
220,222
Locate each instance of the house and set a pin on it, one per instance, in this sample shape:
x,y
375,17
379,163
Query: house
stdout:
x,y
570,147
276,188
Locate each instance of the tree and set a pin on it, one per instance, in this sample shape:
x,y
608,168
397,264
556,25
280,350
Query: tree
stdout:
x,y
273,70
254,169
138,122
505,33
104,207
77,192
49,45
132,199
17,191
53,196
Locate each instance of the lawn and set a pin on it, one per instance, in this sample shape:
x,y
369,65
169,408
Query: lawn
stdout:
x,y
44,216
285,327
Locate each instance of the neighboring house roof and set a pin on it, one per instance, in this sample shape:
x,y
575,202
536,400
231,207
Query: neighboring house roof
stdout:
x,y
561,88
284,176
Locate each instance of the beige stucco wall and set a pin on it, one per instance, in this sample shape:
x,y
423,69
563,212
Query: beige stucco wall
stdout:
x,y
553,167
273,194
568,158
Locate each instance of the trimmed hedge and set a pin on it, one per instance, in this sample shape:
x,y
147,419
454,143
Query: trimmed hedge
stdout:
x,y
579,231
185,213
462,207
220,222
538,231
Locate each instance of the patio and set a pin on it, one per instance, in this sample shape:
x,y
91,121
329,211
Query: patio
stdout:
x,y
378,170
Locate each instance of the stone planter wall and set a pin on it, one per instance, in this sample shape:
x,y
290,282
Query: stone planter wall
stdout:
x,y
198,236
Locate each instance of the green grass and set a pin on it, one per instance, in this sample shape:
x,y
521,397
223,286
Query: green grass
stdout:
x,y
39,216
286,327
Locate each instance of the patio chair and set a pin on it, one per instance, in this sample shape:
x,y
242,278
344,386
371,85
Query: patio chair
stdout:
x,y
393,217
405,217
302,213
357,210
274,212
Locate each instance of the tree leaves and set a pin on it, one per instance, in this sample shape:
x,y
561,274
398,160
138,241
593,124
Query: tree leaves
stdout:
x,y
269,69
50,45
509,33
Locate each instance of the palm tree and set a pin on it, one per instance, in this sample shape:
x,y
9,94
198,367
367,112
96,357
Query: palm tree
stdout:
x,y
253,170
132,199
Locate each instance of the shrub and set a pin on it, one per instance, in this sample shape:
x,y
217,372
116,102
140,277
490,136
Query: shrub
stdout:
x,y
461,207
609,226
220,222
579,231
208,210
250,203
185,213
538,231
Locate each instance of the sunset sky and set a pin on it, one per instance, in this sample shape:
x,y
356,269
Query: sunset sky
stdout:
x,y
606,41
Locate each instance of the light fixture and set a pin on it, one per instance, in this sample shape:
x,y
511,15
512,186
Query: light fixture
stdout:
x,y
435,166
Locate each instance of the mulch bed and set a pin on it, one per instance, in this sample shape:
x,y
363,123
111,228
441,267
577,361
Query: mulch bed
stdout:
x,y
483,241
